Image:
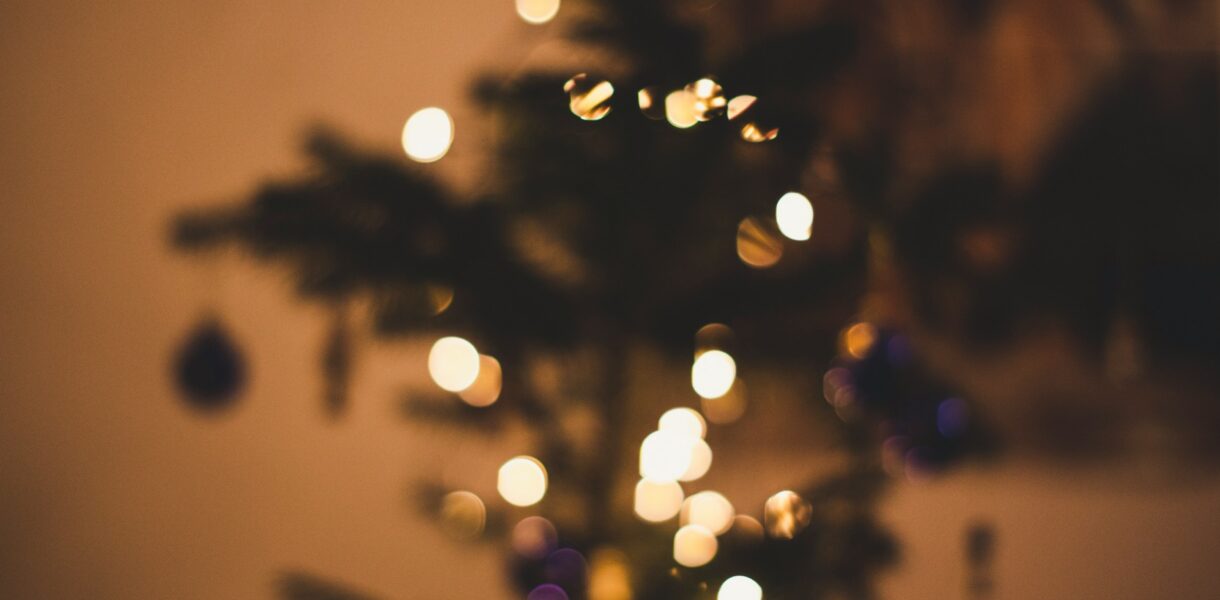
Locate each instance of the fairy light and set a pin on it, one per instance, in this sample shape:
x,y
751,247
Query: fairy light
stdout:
x,y
537,12
453,363
656,502
740,587
713,373
665,456
794,214
684,421
694,546
709,509
522,481
427,135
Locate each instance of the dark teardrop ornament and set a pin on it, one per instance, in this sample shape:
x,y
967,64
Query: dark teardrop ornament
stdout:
x,y
209,368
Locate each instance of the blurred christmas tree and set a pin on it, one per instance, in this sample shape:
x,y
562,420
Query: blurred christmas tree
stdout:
x,y
656,200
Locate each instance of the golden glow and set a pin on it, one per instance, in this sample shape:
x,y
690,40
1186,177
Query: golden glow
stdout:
x,y
537,12
439,298
534,537
522,481
740,587
651,103
713,373
700,460
794,214
486,387
727,408
710,510
463,515
786,514
694,546
427,135
656,502
453,363
680,109
859,339
753,132
739,105
757,246
665,456
589,100
609,575
709,100
747,527
684,421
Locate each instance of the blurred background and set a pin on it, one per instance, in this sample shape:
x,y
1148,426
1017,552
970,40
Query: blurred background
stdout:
x,y
315,457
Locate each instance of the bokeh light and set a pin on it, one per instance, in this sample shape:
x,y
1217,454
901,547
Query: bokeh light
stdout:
x,y
952,417
710,510
657,501
700,460
652,102
713,336
794,215
740,587
684,421
709,101
589,99
427,135
534,537
547,591
746,528
463,515
680,109
757,245
713,374
694,546
739,105
453,363
537,12
609,575
786,514
522,481
486,387
664,456
858,339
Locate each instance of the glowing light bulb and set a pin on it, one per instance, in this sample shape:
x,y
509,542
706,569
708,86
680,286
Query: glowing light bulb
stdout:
x,y
656,502
522,481
710,510
713,373
794,214
665,456
427,135
694,546
537,12
740,587
700,460
453,363
684,421
486,387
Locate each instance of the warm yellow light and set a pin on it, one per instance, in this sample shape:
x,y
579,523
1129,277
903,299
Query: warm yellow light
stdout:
x,y
680,109
609,575
859,339
684,421
757,245
727,408
453,363
537,12
427,135
656,502
522,481
486,387
665,456
700,460
589,99
753,132
747,528
713,373
463,515
739,105
709,509
694,546
740,587
794,214
786,514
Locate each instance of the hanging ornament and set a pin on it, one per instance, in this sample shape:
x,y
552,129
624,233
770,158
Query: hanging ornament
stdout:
x,y
209,368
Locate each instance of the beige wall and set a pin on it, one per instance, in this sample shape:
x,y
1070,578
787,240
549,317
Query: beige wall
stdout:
x,y
115,115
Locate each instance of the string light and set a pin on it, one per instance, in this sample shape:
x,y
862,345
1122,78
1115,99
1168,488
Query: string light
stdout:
x,y
684,421
794,214
657,501
680,109
588,99
487,384
713,374
522,481
664,456
740,587
694,546
786,514
453,363
700,460
709,509
537,12
427,135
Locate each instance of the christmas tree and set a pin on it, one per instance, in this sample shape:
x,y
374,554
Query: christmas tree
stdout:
x,y
660,201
